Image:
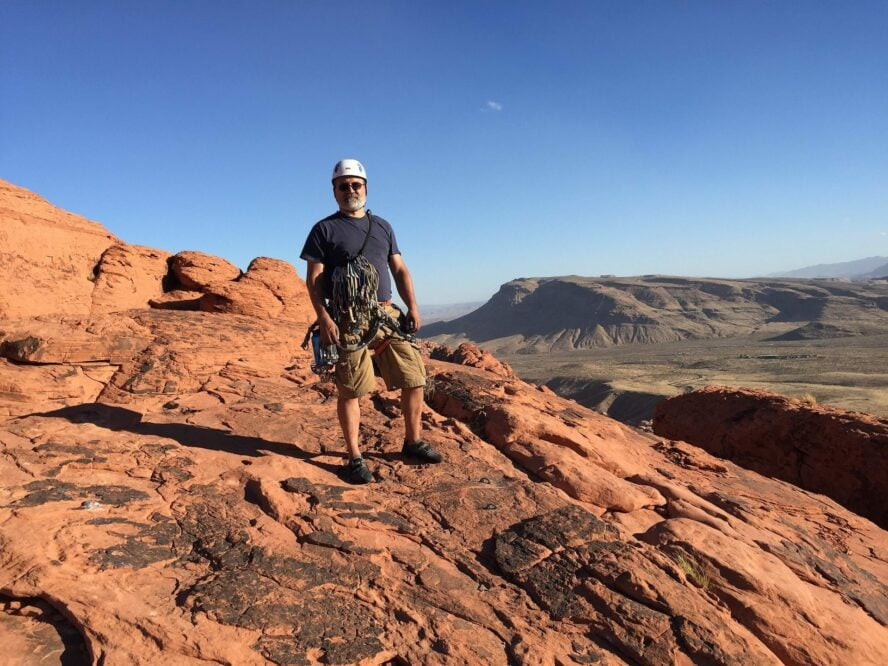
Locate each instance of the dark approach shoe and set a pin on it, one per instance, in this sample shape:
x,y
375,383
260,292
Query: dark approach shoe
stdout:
x,y
421,451
356,471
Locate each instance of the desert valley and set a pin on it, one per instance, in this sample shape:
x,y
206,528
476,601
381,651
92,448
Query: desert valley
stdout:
x,y
620,345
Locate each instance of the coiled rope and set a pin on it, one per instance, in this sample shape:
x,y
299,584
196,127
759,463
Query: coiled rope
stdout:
x,y
353,303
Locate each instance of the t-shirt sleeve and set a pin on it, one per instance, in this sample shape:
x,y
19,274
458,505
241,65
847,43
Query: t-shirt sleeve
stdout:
x,y
393,247
313,250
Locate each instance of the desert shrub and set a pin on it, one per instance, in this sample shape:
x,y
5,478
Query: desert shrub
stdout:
x,y
696,571
808,399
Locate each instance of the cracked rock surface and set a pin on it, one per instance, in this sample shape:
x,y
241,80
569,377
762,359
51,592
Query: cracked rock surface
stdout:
x,y
170,492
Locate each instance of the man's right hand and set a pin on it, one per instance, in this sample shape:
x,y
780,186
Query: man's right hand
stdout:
x,y
328,329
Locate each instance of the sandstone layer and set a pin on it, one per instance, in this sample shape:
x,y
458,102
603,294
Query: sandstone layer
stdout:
x,y
56,263
47,256
840,454
170,491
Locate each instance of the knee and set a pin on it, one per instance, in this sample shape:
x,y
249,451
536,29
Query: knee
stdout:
x,y
412,393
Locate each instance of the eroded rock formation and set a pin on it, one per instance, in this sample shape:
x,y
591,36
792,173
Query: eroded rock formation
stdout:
x,y
831,451
169,492
56,263
47,256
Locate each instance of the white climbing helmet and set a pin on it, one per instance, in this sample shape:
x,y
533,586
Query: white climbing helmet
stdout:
x,y
349,168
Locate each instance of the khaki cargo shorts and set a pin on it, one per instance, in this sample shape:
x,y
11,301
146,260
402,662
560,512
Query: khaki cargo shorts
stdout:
x,y
398,361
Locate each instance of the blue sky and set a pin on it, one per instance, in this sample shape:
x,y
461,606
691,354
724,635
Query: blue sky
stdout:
x,y
502,139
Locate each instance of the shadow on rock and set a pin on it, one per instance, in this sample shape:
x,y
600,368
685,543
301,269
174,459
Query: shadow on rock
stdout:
x,y
213,439
41,630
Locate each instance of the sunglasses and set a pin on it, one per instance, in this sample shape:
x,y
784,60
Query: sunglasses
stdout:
x,y
354,186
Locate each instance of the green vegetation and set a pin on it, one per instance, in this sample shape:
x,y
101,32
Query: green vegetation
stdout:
x,y
696,571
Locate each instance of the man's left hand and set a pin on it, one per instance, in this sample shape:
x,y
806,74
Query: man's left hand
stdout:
x,y
414,321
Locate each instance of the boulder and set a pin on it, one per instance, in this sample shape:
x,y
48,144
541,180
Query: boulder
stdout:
x,y
129,276
195,271
471,355
269,288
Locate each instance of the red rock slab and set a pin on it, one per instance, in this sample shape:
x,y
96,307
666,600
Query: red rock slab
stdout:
x,y
50,363
838,453
177,299
187,349
341,556
47,256
543,436
72,340
195,271
578,567
26,390
222,530
740,575
192,525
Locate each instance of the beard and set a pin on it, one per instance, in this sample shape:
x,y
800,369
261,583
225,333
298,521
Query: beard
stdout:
x,y
352,204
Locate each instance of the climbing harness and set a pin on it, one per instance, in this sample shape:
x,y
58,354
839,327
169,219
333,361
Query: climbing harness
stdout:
x,y
354,307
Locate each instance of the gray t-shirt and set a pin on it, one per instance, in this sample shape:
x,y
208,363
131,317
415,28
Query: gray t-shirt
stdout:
x,y
336,239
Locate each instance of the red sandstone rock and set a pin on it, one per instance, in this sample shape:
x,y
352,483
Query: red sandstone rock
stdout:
x,y
177,299
186,508
471,355
519,420
29,390
72,340
74,266
47,256
838,453
128,276
269,288
195,271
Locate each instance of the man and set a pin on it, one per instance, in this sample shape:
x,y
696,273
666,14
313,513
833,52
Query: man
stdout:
x,y
332,242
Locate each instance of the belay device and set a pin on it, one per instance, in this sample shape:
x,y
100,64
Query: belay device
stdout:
x,y
353,306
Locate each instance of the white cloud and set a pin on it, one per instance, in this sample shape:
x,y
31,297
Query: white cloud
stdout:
x,y
883,233
492,106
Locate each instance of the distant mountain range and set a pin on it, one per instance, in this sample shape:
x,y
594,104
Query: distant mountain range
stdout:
x,y
532,315
432,313
861,269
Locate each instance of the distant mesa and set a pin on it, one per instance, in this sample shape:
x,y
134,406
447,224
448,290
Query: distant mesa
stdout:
x,y
537,315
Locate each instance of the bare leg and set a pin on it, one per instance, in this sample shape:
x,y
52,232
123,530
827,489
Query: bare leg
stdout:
x,y
411,405
349,412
